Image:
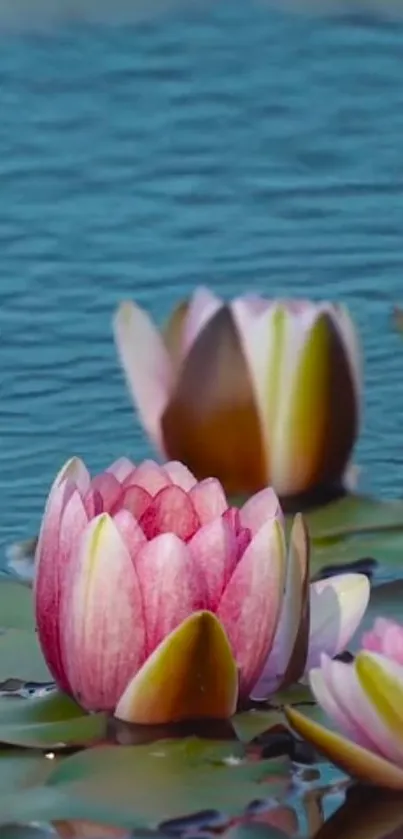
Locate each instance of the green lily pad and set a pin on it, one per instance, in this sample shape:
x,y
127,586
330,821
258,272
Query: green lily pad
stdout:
x,y
355,514
249,724
16,606
385,548
48,722
142,786
20,769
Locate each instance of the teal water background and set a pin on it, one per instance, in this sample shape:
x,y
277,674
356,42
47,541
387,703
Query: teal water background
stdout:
x,y
235,146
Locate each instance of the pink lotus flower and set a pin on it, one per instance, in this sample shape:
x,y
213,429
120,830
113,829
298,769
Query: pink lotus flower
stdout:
x,y
364,699
256,392
386,637
156,600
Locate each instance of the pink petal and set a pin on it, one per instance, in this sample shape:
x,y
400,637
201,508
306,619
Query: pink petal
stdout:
x,y
250,606
325,698
63,525
131,532
109,489
180,475
121,468
103,638
75,471
338,605
290,647
214,555
168,585
259,508
150,476
93,503
171,511
202,307
386,637
146,364
209,500
136,500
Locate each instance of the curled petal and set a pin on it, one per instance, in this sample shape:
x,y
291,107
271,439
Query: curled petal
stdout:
x,y
358,762
171,511
191,675
146,364
102,618
338,605
286,661
250,606
259,508
168,583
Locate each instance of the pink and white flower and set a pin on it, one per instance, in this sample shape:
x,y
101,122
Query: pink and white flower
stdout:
x,y
364,700
256,392
158,601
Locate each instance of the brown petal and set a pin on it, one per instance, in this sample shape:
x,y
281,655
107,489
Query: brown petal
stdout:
x,y
211,422
299,551
341,421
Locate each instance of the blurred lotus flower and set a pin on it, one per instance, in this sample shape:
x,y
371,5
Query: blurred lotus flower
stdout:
x,y
158,601
255,392
365,701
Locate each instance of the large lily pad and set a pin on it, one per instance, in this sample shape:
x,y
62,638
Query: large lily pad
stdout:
x,y
355,514
142,786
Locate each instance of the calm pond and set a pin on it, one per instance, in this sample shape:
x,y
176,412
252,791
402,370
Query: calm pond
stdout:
x,y
236,146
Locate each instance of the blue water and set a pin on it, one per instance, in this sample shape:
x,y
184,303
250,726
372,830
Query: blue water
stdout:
x,y
236,147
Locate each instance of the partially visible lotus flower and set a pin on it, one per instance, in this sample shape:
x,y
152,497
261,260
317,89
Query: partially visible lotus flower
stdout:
x,y
256,392
386,637
159,602
365,701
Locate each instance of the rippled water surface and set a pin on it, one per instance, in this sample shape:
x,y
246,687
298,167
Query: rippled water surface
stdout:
x,y
234,146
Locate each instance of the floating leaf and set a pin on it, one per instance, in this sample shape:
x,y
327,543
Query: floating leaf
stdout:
x,y
250,724
355,514
172,779
142,786
48,722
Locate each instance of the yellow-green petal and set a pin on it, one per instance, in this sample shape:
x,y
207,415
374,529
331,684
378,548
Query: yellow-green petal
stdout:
x,y
191,675
354,760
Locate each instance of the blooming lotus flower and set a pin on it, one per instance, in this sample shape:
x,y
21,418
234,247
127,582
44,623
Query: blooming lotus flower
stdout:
x,y
364,699
256,392
158,601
